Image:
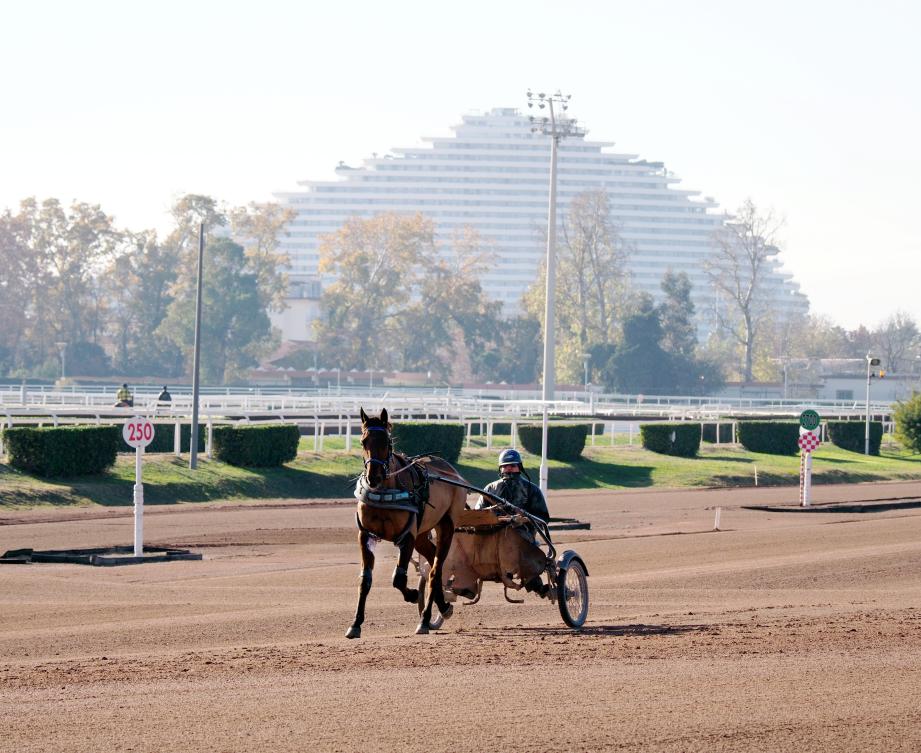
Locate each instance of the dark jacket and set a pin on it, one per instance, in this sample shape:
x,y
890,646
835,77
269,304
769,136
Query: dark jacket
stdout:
x,y
517,490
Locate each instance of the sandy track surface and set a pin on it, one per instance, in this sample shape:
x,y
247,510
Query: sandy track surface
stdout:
x,y
784,631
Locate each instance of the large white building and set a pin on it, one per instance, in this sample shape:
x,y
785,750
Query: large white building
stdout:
x,y
493,175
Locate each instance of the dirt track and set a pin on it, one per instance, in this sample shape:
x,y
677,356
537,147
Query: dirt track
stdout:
x,y
785,631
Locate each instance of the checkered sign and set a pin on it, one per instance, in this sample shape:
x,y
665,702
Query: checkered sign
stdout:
x,y
808,441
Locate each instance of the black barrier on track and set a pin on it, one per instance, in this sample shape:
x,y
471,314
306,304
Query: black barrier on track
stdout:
x,y
100,557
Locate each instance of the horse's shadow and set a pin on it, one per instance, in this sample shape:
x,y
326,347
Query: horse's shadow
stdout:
x,y
625,631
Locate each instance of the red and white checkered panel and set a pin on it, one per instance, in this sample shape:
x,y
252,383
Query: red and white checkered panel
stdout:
x,y
809,441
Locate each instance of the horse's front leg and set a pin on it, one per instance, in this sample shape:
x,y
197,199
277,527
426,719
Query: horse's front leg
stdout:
x,y
367,567
436,587
401,573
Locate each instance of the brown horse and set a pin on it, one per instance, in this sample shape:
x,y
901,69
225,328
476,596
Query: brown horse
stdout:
x,y
392,505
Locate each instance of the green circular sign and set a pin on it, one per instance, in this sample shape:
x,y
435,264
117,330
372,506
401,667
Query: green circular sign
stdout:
x,y
809,420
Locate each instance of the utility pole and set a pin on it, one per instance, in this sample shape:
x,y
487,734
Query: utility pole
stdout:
x,y
871,362
196,359
62,347
557,125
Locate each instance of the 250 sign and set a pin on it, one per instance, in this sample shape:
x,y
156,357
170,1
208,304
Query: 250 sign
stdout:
x,y
138,432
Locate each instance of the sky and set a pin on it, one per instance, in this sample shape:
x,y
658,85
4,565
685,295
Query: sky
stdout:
x,y
811,109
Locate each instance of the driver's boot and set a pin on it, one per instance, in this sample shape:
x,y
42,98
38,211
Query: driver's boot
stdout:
x,y
537,586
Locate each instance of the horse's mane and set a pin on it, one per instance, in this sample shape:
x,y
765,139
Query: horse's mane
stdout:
x,y
435,463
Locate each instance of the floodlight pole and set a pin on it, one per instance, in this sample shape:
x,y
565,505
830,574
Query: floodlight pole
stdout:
x,y
557,126
196,358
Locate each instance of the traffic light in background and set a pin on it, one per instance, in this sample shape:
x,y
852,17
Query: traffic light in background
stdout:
x,y
882,373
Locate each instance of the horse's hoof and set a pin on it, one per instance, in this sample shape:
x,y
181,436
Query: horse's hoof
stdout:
x,y
353,632
447,611
422,629
411,595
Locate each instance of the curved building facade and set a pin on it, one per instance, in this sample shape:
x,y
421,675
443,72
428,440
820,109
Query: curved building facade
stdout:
x,y
492,174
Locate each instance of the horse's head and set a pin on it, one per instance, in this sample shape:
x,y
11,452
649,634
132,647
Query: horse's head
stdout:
x,y
377,447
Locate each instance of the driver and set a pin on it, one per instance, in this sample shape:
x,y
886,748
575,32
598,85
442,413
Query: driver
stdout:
x,y
522,493
514,489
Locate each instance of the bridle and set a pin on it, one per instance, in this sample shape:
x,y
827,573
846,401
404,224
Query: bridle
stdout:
x,y
374,461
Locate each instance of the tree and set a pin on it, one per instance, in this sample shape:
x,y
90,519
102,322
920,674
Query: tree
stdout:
x,y
744,249
167,272
18,272
451,310
258,228
235,327
68,275
676,313
591,283
639,364
139,284
897,341
51,259
378,265
907,417
398,302
189,213
516,353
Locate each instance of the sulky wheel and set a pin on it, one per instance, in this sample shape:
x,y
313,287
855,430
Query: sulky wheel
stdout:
x,y
437,620
572,592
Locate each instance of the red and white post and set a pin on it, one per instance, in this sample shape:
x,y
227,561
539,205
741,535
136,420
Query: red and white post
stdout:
x,y
808,441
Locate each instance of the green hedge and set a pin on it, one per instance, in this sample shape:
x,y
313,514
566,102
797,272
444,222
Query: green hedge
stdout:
x,y
851,435
708,432
682,439
417,437
564,441
63,450
772,437
163,439
257,446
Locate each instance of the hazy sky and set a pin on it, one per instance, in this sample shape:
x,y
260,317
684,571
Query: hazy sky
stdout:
x,y
811,108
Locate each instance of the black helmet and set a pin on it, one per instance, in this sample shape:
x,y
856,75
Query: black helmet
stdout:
x,y
509,457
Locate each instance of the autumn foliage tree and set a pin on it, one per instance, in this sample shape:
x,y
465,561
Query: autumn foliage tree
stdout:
x,y
68,275
399,301
52,258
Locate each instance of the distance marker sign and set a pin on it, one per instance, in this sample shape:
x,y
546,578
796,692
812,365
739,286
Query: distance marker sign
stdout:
x,y
809,420
138,432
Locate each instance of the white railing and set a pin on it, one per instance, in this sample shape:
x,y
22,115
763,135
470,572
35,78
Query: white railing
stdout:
x,y
404,403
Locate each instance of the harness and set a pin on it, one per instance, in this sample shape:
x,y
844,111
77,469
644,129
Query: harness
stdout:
x,y
412,500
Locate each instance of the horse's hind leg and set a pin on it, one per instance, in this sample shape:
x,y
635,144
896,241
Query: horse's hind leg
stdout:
x,y
401,574
425,547
367,566
436,587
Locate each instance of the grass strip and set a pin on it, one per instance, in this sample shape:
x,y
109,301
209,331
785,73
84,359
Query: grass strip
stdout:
x,y
168,480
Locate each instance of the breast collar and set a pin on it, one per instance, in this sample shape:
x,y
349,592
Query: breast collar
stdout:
x,y
385,499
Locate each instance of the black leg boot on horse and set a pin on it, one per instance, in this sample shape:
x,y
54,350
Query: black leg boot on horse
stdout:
x,y
401,573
